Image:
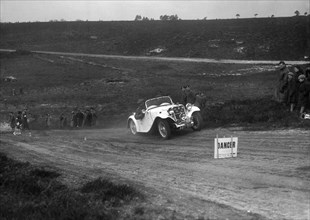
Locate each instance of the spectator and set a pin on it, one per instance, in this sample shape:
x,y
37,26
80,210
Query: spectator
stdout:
x,y
303,94
19,123
80,118
280,91
298,71
307,73
25,120
184,96
190,96
291,91
200,101
73,120
48,121
12,120
94,116
88,118
62,121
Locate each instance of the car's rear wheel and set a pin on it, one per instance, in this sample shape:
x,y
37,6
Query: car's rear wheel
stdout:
x,y
164,129
197,119
132,127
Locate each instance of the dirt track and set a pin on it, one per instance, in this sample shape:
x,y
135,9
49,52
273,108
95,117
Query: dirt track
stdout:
x,y
173,59
270,178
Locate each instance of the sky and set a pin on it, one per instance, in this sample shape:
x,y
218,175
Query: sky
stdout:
x,y
95,10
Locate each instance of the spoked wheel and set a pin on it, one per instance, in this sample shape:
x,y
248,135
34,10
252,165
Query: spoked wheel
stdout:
x,y
197,119
164,129
132,127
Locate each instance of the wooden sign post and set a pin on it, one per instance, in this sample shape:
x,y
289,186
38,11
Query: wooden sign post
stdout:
x,y
225,147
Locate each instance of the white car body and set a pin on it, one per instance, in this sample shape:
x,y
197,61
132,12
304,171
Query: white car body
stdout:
x,y
163,109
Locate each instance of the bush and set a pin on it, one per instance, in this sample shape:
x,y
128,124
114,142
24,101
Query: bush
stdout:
x,y
33,193
262,111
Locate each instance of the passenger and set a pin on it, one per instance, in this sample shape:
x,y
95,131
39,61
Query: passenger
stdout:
x,y
280,91
139,114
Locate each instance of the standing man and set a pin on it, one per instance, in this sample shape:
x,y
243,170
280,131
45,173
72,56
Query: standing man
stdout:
x,y
93,116
183,94
25,120
190,96
12,121
280,91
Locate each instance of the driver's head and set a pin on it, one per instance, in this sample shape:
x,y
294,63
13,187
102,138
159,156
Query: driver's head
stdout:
x,y
140,101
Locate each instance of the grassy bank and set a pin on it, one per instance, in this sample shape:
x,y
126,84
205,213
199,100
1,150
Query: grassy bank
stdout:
x,y
29,192
260,113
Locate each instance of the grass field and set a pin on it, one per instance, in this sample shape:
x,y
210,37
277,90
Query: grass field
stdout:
x,y
238,95
257,38
55,84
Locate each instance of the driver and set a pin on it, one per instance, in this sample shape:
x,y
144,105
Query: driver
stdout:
x,y
139,111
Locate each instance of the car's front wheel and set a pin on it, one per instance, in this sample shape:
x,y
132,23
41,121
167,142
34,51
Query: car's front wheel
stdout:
x,y
197,119
132,127
164,129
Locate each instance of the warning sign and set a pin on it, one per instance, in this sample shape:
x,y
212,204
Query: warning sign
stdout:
x,y
225,147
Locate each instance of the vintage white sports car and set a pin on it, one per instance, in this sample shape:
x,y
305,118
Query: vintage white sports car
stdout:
x,y
163,115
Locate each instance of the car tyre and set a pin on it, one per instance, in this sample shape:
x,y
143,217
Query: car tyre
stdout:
x,y
164,129
132,127
198,121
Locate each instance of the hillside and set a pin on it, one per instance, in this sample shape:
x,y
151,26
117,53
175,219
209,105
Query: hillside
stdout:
x,y
255,38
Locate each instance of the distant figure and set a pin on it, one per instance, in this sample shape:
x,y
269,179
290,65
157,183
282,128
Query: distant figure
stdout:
x,y
190,96
94,116
298,71
280,91
25,120
62,121
291,87
19,123
48,121
12,121
139,114
87,118
183,95
303,94
200,100
80,118
307,73
73,120
21,91
13,92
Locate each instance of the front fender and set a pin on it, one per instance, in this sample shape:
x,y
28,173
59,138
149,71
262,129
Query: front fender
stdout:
x,y
193,109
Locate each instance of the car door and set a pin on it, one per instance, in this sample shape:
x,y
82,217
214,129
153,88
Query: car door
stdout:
x,y
145,124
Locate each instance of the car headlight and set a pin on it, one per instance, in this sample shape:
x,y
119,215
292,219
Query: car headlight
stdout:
x,y
189,106
170,111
